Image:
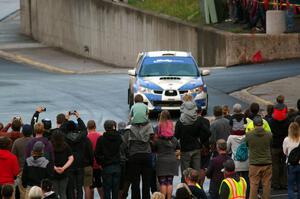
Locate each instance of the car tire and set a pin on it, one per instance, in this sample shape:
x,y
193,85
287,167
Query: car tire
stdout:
x,y
130,98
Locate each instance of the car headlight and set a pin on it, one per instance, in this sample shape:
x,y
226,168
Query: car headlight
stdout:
x,y
144,90
197,89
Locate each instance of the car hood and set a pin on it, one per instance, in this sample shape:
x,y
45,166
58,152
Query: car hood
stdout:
x,y
171,83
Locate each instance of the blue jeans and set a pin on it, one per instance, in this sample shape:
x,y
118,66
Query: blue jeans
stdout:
x,y
111,176
293,178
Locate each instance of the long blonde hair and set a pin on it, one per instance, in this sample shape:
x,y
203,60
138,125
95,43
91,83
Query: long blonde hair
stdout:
x,y
294,132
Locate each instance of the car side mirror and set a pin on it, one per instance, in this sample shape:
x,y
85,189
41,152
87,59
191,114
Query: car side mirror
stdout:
x,y
132,72
205,72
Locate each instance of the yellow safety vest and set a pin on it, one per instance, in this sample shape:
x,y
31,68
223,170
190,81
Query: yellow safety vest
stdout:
x,y
250,126
237,190
197,185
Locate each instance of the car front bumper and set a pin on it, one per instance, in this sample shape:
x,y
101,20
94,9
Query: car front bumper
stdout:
x,y
159,102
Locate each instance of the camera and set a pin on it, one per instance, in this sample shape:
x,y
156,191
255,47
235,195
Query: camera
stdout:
x,y
72,112
44,109
17,118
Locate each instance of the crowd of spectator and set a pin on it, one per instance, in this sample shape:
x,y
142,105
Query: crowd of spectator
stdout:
x,y
238,151
250,13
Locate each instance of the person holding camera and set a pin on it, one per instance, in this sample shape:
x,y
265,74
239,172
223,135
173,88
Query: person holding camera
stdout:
x,y
76,138
47,122
39,132
16,125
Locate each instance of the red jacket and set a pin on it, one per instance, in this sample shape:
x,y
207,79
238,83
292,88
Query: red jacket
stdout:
x,y
9,167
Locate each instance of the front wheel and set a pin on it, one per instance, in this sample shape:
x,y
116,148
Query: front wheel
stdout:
x,y
130,98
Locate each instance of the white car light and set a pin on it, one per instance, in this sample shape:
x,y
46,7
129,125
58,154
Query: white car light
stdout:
x,y
144,90
197,90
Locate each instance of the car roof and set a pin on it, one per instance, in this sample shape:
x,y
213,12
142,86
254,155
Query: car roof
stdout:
x,y
167,53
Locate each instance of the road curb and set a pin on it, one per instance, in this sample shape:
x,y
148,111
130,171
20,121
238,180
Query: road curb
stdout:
x,y
9,15
22,59
245,96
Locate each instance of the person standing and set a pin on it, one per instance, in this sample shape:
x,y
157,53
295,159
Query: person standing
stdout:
x,y
165,147
139,149
9,166
291,142
107,155
18,149
233,185
48,149
63,160
219,128
16,126
279,126
36,167
237,140
214,169
93,136
259,143
75,136
191,178
191,132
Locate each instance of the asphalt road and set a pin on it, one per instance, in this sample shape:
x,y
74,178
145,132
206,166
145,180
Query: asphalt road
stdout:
x,y
104,96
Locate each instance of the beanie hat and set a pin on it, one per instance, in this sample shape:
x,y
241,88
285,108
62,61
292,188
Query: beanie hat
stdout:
x,y
47,123
257,121
38,147
27,130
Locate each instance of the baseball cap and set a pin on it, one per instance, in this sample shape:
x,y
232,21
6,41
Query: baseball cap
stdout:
x,y
257,121
228,166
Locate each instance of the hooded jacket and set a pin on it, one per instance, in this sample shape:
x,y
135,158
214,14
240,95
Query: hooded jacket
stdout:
x,y
35,170
9,167
280,131
233,143
108,149
259,143
188,113
75,137
192,136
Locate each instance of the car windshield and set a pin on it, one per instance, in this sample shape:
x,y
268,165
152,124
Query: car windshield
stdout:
x,y
168,66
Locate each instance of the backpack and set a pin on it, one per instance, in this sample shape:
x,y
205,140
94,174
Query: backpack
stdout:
x,y
238,125
241,153
280,115
294,156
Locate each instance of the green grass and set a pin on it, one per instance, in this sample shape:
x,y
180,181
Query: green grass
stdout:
x,y
187,10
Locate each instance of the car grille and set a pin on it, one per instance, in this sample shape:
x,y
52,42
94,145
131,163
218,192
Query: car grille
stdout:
x,y
167,103
158,92
169,78
170,93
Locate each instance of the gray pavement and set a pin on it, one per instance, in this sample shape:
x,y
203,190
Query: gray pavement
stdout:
x,y
7,7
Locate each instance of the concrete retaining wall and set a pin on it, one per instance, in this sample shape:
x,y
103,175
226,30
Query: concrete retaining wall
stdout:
x,y
106,31
114,33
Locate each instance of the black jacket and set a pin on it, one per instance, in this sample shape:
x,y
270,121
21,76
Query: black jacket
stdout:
x,y
192,136
107,150
280,131
88,153
35,170
75,138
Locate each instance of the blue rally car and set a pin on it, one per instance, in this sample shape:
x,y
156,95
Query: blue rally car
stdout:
x,y
163,77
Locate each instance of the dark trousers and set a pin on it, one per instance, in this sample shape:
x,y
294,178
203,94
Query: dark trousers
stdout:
x,y
293,178
111,176
75,184
140,165
279,177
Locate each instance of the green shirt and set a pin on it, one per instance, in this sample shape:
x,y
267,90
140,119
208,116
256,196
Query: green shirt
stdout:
x,y
139,113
